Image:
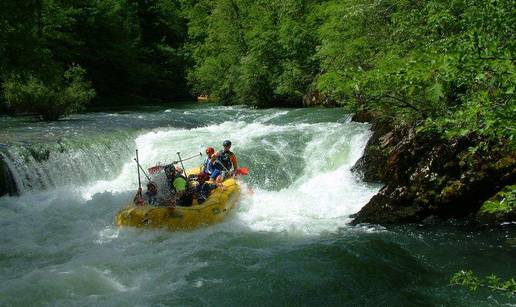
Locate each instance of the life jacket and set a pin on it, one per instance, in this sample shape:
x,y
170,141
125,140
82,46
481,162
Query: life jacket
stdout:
x,y
225,159
187,197
213,167
173,188
206,166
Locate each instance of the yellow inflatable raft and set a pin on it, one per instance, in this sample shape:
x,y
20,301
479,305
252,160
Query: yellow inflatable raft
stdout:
x,y
218,205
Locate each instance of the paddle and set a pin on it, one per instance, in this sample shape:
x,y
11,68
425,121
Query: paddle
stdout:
x,y
148,178
138,198
181,161
156,169
241,171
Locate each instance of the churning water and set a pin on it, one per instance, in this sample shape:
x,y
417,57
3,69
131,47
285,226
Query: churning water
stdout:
x,y
287,244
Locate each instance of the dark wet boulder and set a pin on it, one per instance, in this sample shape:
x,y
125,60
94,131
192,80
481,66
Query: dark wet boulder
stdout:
x,y
316,98
7,184
368,167
427,176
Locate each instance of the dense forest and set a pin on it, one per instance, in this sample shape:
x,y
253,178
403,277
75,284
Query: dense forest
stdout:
x,y
446,66
56,55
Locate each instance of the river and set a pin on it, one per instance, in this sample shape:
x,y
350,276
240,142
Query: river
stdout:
x,y
288,243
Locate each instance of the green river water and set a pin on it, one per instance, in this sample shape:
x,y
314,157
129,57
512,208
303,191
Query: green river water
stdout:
x,y
287,244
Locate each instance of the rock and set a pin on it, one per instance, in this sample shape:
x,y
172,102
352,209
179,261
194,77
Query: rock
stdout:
x,y
371,165
389,206
432,220
315,98
7,184
451,191
3,183
511,242
362,116
499,208
427,176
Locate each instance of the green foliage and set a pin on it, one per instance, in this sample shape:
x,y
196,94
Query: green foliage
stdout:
x,y
128,47
445,66
252,52
471,281
467,279
50,100
499,208
503,202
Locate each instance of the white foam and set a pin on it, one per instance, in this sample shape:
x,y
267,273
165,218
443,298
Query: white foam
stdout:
x,y
320,199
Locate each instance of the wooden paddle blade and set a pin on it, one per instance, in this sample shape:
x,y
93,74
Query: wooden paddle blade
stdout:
x,y
155,169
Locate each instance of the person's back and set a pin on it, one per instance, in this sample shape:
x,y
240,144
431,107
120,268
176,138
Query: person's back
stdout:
x,y
203,189
180,188
184,195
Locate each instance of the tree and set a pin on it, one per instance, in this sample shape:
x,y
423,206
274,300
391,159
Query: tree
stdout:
x,y
50,100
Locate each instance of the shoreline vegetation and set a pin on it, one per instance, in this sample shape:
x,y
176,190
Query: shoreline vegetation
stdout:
x,y
436,78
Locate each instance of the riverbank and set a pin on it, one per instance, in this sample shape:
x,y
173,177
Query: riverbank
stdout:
x,y
428,178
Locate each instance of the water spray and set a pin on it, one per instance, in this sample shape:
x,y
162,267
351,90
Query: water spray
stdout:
x,y
181,161
148,178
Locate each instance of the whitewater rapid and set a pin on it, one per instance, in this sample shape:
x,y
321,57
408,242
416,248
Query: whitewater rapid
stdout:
x,y
300,162
317,191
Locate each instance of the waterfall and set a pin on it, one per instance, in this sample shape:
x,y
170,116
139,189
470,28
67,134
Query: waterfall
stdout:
x,y
74,161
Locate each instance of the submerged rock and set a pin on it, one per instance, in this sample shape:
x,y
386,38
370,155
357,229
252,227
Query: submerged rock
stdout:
x,y
427,176
316,98
7,184
374,153
499,208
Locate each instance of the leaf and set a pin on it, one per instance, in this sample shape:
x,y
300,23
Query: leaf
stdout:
x,y
435,92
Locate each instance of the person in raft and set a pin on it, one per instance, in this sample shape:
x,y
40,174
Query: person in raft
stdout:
x,y
203,189
214,168
152,193
227,159
179,186
206,165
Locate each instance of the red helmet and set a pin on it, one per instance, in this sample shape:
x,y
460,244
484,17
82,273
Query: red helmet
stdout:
x,y
202,177
210,151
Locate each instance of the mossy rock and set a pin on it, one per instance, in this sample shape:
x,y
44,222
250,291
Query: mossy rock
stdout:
x,y
451,191
499,208
505,163
3,183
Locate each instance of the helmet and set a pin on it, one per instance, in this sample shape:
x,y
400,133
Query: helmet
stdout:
x,y
202,177
226,143
210,151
